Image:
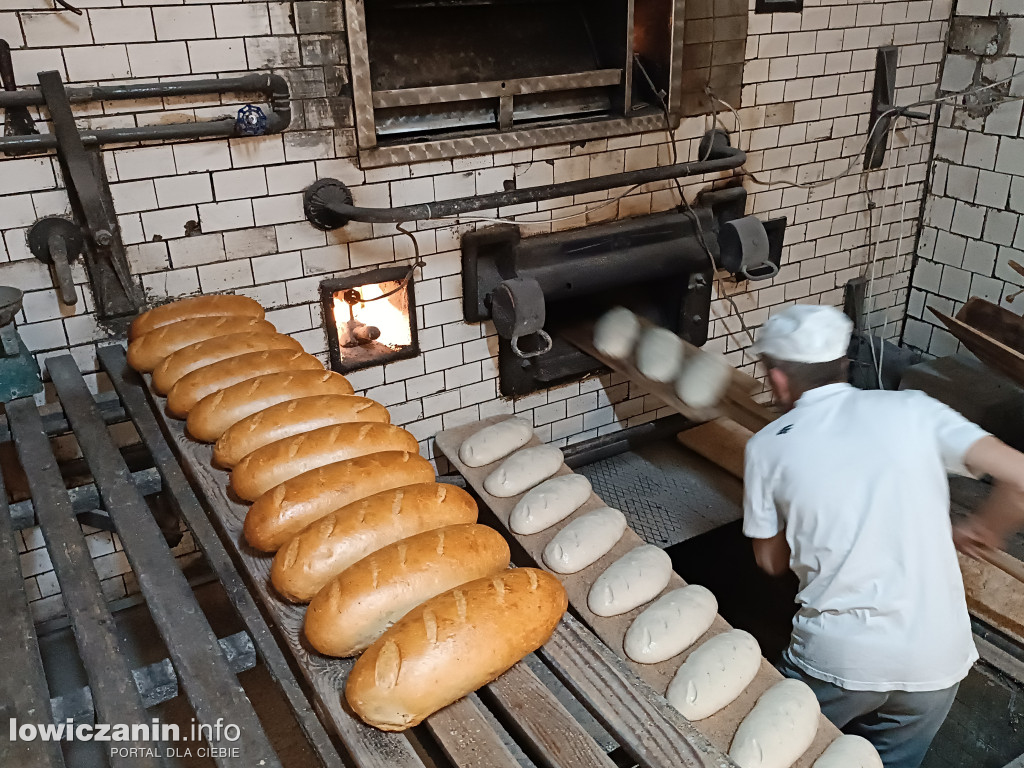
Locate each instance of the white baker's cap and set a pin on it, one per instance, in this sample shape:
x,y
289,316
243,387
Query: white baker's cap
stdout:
x,y
805,333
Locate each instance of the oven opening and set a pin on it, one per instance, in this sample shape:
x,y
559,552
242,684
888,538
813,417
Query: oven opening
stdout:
x,y
370,318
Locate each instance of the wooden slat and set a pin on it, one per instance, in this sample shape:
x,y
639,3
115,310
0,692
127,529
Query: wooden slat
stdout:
x,y
650,730
530,709
211,687
114,693
367,746
129,387
720,727
467,738
24,694
721,442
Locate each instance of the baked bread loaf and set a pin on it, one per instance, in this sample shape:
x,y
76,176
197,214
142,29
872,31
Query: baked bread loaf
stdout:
x,y
452,644
327,547
211,351
291,418
193,387
359,604
149,350
272,464
212,415
283,511
195,306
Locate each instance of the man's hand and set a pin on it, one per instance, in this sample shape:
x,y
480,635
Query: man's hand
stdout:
x,y
972,537
772,555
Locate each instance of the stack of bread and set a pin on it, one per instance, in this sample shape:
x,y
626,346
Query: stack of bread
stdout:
x,y
782,725
393,564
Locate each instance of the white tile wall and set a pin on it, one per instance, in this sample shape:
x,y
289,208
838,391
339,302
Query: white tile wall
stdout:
x,y
972,213
223,215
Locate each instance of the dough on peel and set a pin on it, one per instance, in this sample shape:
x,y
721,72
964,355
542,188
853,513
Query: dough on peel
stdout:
x,y
550,502
634,579
714,674
779,728
495,442
703,379
671,624
585,540
659,354
523,470
849,751
615,333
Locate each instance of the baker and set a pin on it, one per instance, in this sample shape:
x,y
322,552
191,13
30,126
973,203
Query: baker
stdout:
x,y
849,490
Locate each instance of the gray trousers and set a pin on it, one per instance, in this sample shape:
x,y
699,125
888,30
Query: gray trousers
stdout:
x,y
900,724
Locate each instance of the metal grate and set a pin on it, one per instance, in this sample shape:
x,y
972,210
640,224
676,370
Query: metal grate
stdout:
x,y
667,494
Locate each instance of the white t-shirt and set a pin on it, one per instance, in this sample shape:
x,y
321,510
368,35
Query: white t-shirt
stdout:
x,y
858,480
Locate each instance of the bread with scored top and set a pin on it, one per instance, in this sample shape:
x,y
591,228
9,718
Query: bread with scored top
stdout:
x,y
211,351
192,307
149,350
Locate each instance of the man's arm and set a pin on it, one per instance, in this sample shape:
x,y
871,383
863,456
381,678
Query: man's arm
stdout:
x,y
772,555
1002,513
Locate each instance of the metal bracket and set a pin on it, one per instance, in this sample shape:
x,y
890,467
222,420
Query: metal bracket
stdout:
x,y
85,177
58,242
883,108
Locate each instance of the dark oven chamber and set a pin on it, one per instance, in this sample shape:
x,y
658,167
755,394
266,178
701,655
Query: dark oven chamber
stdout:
x,y
654,265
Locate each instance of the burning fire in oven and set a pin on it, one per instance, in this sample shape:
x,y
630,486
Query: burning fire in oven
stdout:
x,y
370,318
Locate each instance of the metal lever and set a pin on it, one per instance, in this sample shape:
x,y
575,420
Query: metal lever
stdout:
x,y
56,241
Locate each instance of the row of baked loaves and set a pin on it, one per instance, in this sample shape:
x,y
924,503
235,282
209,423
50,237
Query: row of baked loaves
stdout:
x,y
393,564
784,721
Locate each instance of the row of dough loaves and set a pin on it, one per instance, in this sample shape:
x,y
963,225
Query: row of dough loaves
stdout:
x,y
393,564
784,722
701,378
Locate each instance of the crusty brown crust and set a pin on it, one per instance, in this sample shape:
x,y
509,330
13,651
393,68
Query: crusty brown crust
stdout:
x,y
149,350
194,306
211,351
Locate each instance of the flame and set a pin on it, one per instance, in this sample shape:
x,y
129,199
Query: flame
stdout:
x,y
393,322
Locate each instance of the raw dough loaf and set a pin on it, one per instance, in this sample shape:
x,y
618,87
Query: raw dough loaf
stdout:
x,y
211,351
272,464
150,349
550,502
523,470
283,511
452,644
585,540
211,416
634,579
849,751
195,306
292,418
361,602
779,728
659,354
345,536
616,332
714,674
209,380
671,624
703,379
495,442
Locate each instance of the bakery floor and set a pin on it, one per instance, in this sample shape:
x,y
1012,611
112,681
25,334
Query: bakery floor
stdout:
x,y
692,508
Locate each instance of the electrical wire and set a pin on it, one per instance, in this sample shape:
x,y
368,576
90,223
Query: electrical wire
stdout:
x,y
417,262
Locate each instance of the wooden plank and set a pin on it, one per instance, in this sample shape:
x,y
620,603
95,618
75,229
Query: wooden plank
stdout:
x,y
130,388
737,404
529,709
211,687
367,746
718,728
721,442
994,596
988,349
647,727
23,690
114,693
467,738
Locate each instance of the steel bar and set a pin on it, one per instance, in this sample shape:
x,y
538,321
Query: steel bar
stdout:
x,y
212,689
55,424
493,89
23,691
328,208
129,387
117,698
84,499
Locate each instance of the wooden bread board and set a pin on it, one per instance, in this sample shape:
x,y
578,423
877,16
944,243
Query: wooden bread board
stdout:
x,y
719,728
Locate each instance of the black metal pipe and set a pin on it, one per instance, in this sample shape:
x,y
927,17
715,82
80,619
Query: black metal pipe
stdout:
x,y
274,87
329,203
